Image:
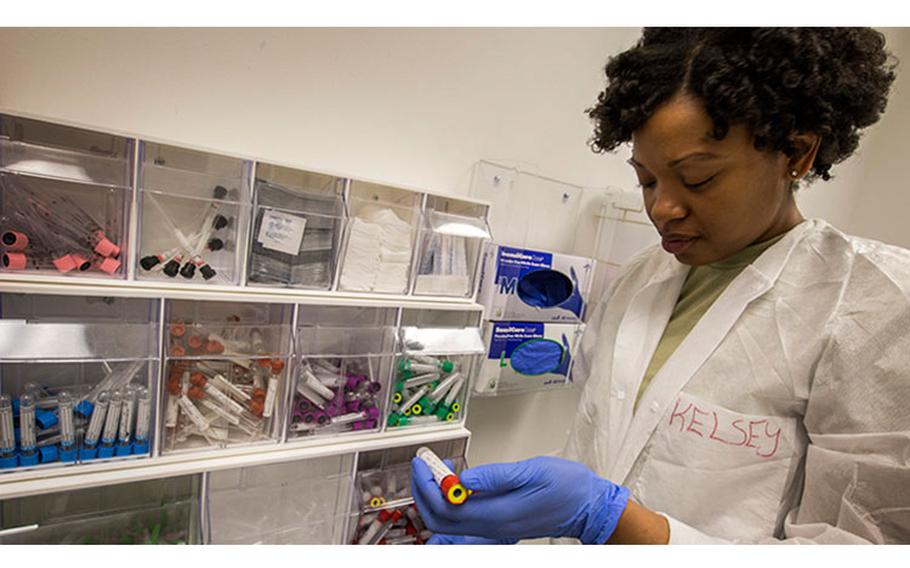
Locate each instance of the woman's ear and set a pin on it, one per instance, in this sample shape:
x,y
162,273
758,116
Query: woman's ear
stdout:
x,y
806,148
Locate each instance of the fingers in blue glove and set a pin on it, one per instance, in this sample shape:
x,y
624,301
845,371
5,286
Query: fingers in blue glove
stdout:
x,y
460,539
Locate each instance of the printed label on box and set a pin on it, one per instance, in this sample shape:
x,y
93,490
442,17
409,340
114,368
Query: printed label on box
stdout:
x,y
281,232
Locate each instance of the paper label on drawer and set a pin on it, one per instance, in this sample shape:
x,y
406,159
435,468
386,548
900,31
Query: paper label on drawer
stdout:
x,y
281,232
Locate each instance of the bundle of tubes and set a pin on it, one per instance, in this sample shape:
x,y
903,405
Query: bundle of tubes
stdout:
x,y
40,427
187,256
335,395
221,388
44,230
427,391
390,524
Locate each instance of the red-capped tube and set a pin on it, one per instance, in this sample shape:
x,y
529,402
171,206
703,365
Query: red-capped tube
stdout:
x,y
15,241
451,487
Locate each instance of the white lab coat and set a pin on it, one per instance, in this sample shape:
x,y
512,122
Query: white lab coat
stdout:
x,y
799,370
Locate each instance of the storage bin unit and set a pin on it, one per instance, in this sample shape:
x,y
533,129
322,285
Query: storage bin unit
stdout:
x,y
449,247
382,508
298,223
224,376
341,381
194,213
434,370
65,195
380,238
100,355
296,502
170,380
159,511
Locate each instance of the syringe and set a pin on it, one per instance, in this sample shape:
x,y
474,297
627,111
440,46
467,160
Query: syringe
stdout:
x,y
92,435
125,431
448,482
8,457
67,427
28,438
143,420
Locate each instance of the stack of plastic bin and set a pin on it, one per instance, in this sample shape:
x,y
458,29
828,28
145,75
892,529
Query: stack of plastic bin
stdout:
x,y
194,212
77,379
450,244
159,511
380,237
298,502
298,222
382,507
433,376
65,194
341,380
224,375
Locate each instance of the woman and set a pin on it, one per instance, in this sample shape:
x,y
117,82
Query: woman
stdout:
x,y
749,379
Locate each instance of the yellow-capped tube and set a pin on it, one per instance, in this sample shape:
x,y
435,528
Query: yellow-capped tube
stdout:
x,y
451,487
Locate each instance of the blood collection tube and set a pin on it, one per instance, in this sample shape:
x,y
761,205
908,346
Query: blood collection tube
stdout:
x,y
127,415
111,424
95,424
443,387
420,380
14,241
272,389
67,427
8,457
28,439
448,482
385,517
445,366
349,418
453,394
143,420
418,394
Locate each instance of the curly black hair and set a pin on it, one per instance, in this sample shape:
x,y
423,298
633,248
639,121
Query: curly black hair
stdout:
x,y
778,81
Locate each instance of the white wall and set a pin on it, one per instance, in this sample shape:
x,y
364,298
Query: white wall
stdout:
x,y
411,107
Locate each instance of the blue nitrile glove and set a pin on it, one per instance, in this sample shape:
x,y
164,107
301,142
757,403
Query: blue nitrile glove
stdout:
x,y
539,497
456,539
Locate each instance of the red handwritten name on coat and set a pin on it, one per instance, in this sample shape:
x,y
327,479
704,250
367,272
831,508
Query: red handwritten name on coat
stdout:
x,y
760,435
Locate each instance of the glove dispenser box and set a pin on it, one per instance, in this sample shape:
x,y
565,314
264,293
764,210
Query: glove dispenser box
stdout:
x,y
194,213
78,377
525,356
518,284
65,196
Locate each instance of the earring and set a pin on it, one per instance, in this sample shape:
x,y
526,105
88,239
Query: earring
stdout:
x,y
794,173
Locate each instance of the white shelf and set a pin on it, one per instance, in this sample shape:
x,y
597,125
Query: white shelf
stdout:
x,y
23,484
62,285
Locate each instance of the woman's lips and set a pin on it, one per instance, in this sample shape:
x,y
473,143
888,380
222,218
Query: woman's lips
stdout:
x,y
677,245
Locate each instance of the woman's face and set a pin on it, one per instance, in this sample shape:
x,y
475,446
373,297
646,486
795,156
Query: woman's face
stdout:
x,y
709,198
